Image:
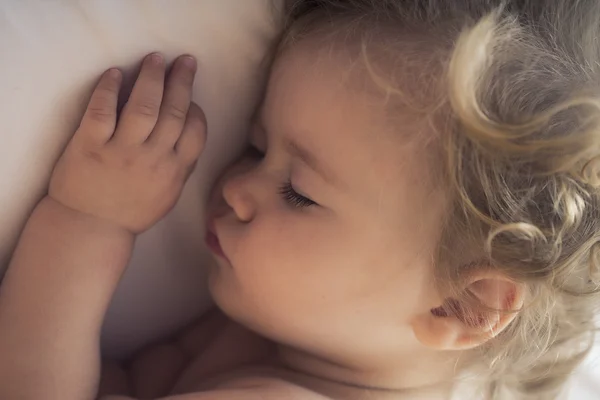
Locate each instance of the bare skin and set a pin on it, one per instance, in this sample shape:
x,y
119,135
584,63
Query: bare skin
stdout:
x,y
215,358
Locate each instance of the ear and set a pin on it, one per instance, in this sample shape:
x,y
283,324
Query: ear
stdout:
x,y
490,304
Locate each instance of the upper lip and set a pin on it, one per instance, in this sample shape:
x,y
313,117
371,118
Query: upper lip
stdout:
x,y
211,228
211,224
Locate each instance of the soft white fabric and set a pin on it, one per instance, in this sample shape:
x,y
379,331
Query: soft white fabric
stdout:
x,y
585,384
52,53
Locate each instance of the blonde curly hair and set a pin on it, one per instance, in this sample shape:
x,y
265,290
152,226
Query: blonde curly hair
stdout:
x,y
512,89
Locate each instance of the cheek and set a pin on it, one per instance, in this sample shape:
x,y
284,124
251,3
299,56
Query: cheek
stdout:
x,y
283,241
294,256
287,254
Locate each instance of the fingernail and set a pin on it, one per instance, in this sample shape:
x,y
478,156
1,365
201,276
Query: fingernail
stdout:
x,y
156,58
189,61
113,73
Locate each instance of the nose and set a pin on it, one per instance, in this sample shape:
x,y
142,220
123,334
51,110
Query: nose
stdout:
x,y
238,196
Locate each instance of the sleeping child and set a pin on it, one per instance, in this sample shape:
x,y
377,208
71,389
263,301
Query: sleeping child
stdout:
x,y
418,210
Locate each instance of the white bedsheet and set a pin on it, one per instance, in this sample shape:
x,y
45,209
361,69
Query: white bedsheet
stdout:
x,y
585,384
53,51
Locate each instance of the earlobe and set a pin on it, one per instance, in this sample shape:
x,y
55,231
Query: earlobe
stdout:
x,y
490,303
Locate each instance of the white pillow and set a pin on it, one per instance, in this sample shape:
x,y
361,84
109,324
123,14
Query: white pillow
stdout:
x,y
52,54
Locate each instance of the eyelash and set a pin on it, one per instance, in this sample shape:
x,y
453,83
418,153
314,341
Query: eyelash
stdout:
x,y
294,198
286,190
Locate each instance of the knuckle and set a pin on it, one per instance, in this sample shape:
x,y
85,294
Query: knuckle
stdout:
x,y
129,158
128,161
100,114
147,108
101,108
165,167
176,111
95,156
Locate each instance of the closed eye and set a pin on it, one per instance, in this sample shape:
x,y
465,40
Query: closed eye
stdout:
x,y
294,198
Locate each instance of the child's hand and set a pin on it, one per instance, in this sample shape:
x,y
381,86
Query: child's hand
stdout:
x,y
131,173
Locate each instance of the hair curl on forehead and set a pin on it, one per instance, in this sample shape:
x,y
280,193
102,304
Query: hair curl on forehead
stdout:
x,y
517,115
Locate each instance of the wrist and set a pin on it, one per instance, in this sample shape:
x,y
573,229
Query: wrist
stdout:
x,y
54,209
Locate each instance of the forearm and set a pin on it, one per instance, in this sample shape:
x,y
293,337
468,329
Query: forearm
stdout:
x,y
52,303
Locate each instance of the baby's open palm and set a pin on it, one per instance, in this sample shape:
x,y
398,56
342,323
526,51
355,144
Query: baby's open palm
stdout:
x,y
131,172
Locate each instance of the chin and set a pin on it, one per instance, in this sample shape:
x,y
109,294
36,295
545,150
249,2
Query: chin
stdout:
x,y
221,288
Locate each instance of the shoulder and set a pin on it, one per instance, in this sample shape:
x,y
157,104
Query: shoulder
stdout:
x,y
231,347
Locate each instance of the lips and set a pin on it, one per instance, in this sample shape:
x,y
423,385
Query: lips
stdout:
x,y
212,240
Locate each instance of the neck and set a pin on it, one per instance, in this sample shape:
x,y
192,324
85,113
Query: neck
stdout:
x,y
411,377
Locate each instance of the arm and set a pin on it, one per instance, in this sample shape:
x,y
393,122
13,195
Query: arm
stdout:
x,y
53,300
112,182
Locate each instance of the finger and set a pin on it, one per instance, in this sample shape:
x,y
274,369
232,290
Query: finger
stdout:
x,y
192,139
141,110
100,118
176,103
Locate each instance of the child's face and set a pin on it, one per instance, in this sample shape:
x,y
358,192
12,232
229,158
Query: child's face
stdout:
x,y
348,274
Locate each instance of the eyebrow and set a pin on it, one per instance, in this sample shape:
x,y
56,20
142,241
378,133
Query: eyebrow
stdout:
x,y
298,151
309,160
302,153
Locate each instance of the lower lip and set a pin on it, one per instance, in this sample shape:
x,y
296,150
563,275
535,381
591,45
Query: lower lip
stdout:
x,y
212,241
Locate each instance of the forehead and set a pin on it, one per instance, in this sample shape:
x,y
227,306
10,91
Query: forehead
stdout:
x,y
326,101
317,89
